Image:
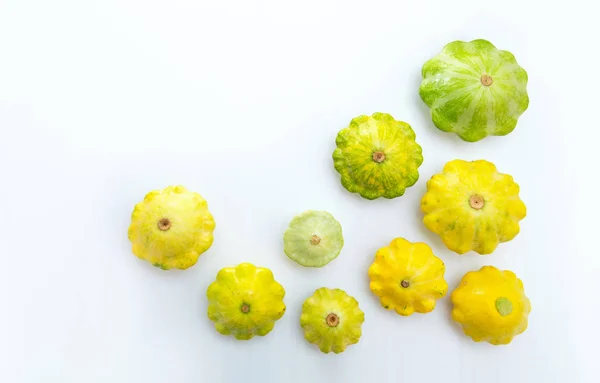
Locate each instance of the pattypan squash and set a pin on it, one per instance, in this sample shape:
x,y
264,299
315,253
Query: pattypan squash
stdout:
x,y
332,320
245,301
474,90
472,206
377,156
491,306
407,277
171,228
313,239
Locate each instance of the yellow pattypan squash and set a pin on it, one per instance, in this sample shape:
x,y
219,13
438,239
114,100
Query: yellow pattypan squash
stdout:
x,y
332,320
491,305
170,228
407,277
472,206
245,301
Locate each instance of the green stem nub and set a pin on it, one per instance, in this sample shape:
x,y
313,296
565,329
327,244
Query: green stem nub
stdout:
x,y
504,306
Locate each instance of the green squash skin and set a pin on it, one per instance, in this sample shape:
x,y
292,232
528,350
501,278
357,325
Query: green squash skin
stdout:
x,y
355,147
452,87
297,239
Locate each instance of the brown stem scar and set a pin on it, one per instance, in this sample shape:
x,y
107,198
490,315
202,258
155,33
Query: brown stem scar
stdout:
x,y
379,156
164,224
487,80
315,240
405,283
332,320
476,201
245,308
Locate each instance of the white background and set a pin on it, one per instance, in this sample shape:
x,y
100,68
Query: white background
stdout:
x,y
103,101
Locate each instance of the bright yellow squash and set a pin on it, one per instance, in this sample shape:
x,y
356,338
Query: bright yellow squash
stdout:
x,y
245,301
407,277
171,228
491,305
472,206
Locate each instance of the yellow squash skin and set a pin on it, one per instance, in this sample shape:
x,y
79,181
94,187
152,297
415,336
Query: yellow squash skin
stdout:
x,y
407,277
332,320
171,228
245,301
491,305
472,206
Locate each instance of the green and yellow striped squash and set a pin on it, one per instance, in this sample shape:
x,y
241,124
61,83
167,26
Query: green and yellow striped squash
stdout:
x,y
474,90
377,156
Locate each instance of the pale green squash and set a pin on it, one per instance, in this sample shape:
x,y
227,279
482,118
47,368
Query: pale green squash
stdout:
x,y
474,90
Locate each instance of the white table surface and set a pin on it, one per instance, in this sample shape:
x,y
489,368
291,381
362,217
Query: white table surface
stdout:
x,y
103,101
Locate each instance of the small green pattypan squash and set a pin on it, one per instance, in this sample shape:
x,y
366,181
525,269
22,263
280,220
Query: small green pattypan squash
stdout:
x,y
474,90
313,239
377,156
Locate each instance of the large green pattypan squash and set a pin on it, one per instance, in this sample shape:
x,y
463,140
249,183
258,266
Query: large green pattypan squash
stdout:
x,y
474,90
